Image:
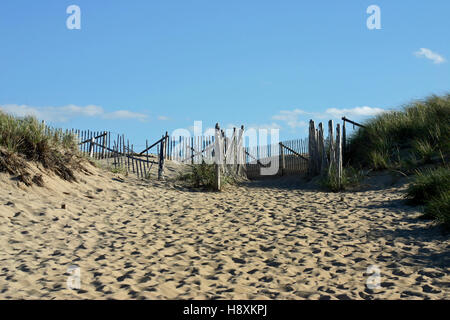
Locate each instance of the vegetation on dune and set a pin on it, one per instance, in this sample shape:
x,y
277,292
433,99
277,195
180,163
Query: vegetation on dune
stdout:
x,y
427,184
417,135
200,175
431,188
416,141
203,175
26,138
351,177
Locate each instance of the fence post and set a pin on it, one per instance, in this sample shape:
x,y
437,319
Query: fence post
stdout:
x,y
192,150
105,140
344,140
331,145
312,146
91,147
323,152
217,155
339,154
166,144
282,159
161,160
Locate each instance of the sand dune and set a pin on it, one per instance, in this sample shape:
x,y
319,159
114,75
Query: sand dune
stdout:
x,y
266,240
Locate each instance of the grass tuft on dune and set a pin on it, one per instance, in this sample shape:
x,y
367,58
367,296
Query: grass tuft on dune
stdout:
x,y
27,139
420,134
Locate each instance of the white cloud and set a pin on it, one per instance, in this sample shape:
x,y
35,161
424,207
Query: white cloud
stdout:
x,y
125,114
354,112
291,118
427,53
299,118
65,113
163,118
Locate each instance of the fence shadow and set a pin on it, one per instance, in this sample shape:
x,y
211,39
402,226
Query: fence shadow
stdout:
x,y
288,182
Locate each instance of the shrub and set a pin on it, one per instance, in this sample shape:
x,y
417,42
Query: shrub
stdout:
x,y
200,175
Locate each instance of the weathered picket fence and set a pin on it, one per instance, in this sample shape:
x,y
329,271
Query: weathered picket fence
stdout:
x,y
102,145
315,155
326,155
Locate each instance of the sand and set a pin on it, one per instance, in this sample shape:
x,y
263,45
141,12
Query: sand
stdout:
x,y
277,239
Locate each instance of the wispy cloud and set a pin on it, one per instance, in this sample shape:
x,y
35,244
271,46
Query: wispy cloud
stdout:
x,y
65,113
364,111
427,53
298,118
163,118
292,118
125,114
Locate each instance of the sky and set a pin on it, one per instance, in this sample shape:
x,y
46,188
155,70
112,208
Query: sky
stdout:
x,y
145,67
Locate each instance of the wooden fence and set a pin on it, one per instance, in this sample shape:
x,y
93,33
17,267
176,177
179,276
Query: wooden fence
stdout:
x,y
117,151
314,155
326,155
292,155
292,158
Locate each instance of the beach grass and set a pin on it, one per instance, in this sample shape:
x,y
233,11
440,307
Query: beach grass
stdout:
x,y
28,139
415,140
420,131
431,189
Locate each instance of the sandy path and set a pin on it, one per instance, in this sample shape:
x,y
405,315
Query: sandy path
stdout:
x,y
134,240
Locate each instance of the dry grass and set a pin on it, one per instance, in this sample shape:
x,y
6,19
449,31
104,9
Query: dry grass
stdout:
x,y
26,139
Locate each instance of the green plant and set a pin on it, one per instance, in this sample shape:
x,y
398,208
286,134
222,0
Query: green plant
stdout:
x,y
428,184
119,170
439,208
422,127
424,149
431,188
200,175
378,160
351,177
32,140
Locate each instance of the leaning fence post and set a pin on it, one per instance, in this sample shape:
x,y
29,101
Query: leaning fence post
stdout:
x,y
105,140
161,160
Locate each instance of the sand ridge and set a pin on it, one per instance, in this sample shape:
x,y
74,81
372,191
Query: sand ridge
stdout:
x,y
156,240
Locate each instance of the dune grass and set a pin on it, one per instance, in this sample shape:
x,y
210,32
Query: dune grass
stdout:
x,y
201,175
427,184
415,140
431,188
418,134
23,139
351,177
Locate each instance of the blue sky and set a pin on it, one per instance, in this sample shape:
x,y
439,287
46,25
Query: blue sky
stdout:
x,y
144,67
